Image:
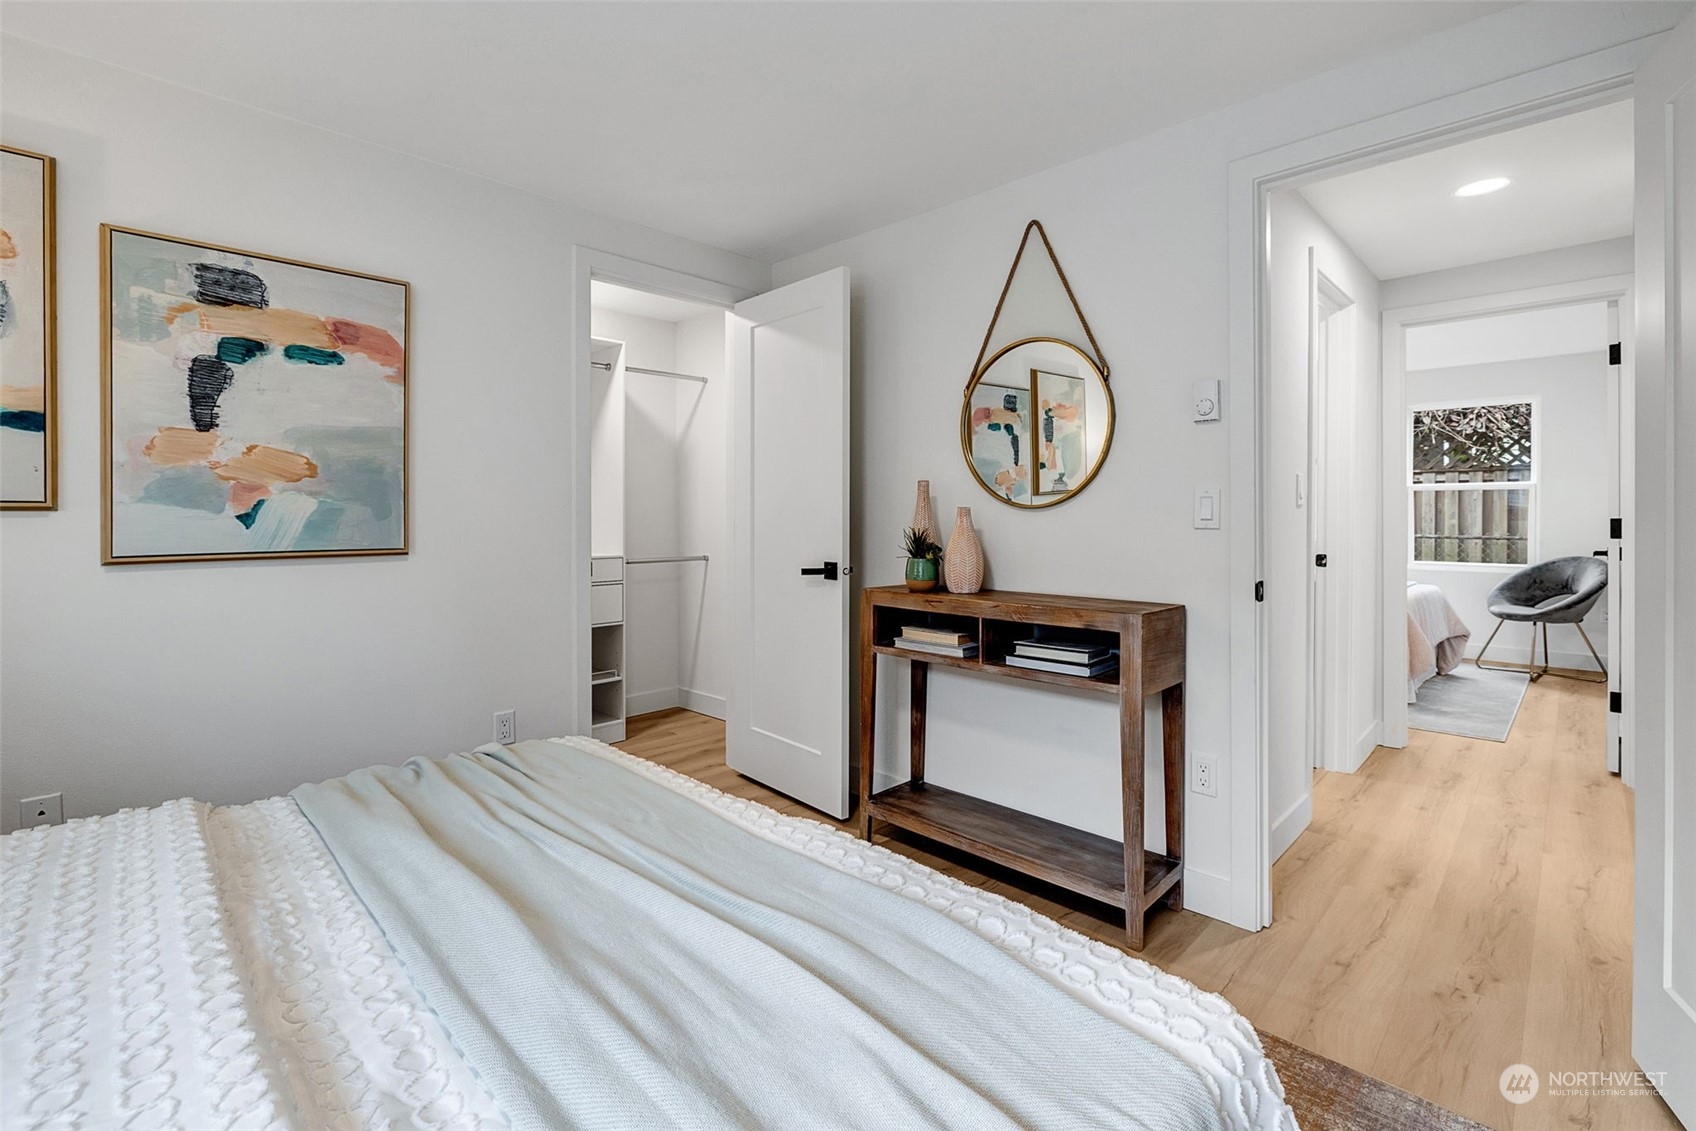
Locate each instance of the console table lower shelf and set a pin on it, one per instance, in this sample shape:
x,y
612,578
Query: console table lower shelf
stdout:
x,y
1060,854
996,635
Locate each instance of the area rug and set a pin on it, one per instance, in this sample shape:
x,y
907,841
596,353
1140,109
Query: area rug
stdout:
x,y
1469,702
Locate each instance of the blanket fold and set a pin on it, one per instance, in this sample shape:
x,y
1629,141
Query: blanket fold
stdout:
x,y
607,953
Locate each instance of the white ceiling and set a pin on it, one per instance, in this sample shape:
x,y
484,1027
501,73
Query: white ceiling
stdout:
x,y
767,129
624,300
1572,184
1522,335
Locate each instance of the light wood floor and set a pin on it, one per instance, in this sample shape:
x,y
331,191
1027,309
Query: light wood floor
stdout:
x,y
1456,907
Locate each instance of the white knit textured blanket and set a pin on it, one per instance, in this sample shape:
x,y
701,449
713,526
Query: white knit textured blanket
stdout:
x,y
208,968
186,967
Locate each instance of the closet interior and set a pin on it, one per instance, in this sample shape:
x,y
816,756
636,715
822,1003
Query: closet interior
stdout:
x,y
659,503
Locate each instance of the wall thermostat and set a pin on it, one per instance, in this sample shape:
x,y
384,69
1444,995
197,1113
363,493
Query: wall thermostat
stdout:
x,y
1204,395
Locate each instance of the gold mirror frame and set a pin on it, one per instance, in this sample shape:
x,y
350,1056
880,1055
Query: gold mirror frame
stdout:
x,y
1038,502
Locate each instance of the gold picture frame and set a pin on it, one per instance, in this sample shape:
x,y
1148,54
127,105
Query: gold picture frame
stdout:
x,y
229,301
33,407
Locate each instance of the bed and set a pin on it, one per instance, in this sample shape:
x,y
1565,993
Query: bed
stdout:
x,y
1436,636
559,934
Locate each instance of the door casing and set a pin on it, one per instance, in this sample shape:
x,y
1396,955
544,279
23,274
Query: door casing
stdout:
x,y
1548,92
587,265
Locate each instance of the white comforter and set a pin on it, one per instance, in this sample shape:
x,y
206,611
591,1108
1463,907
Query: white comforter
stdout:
x,y
192,967
1436,636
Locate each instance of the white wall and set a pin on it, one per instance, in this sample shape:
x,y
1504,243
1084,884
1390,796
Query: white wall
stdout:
x,y
1348,490
1551,330
1571,458
1141,230
130,685
1522,272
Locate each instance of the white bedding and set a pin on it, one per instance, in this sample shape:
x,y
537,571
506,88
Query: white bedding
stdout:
x,y
190,967
187,966
1436,636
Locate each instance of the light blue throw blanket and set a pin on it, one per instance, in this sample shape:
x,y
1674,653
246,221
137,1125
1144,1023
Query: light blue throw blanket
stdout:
x,y
608,953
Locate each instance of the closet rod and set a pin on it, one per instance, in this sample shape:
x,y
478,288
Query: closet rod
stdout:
x,y
607,365
659,561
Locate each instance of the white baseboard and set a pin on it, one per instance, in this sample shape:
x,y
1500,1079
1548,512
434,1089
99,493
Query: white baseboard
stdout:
x,y
1210,895
647,702
703,704
1499,654
1286,828
1364,745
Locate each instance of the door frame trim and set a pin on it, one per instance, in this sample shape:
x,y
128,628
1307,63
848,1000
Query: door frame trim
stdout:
x,y
1548,92
1329,746
587,265
1393,505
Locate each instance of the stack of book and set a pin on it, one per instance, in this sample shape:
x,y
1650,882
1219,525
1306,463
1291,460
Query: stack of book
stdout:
x,y
1087,660
937,641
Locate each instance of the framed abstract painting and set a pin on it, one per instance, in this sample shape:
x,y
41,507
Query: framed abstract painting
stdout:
x,y
29,466
255,407
1062,431
999,440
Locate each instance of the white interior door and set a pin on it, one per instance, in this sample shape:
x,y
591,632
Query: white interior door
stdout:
x,y
1331,363
789,702
1661,553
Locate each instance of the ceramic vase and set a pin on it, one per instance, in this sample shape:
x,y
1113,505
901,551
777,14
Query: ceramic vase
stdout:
x,y
962,565
921,574
923,521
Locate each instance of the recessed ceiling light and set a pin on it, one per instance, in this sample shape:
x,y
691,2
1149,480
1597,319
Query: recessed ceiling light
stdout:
x,y
1479,188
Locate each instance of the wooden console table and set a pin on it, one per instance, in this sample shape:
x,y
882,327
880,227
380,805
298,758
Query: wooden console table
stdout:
x,y
1150,639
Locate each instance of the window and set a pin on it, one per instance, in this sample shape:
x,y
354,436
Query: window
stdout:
x,y
1473,482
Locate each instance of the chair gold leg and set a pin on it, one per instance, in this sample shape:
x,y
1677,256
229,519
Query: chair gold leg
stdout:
x,y
1478,661
1595,677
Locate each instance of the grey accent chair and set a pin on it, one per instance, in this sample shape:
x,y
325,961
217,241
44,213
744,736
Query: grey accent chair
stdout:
x,y
1558,591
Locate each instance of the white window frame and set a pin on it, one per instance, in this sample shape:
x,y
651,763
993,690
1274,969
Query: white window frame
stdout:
x,y
1533,506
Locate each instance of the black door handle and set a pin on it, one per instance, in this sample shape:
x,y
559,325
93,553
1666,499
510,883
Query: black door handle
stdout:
x,y
827,571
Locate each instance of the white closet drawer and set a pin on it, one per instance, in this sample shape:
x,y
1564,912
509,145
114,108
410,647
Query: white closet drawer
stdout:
x,y
606,569
606,603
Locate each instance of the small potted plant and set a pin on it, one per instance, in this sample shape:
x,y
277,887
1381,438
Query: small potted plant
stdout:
x,y
924,557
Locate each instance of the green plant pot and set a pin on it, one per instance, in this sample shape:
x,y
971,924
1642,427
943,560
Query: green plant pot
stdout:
x,y
921,574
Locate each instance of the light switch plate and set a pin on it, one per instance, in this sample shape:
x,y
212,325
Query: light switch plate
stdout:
x,y
1204,397
1207,503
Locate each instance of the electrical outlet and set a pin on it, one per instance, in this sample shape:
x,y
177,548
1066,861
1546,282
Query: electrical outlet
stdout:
x,y
48,809
1203,781
506,727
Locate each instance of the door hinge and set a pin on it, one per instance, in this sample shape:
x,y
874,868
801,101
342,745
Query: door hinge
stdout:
x,y
1616,528
1260,591
1614,353
1614,706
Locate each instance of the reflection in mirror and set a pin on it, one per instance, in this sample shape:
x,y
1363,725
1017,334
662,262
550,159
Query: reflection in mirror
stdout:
x,y
1037,422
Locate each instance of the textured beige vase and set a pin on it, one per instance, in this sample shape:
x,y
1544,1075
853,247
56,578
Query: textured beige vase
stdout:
x,y
962,565
923,521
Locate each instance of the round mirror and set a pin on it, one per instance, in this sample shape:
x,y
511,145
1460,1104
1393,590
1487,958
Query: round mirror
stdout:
x,y
1037,422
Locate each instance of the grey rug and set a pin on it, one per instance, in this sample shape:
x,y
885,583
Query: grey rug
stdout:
x,y
1469,702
